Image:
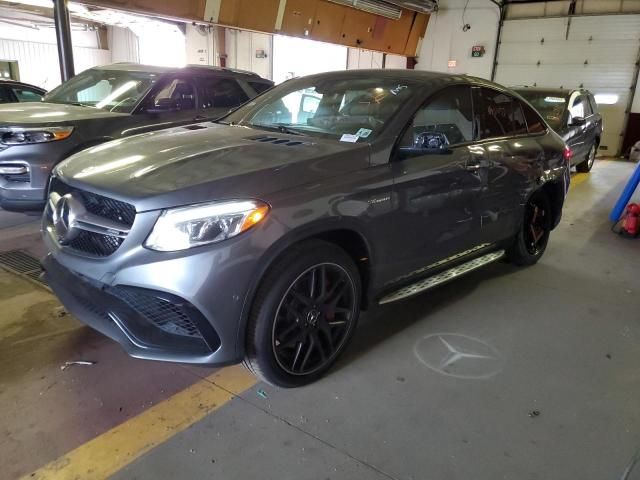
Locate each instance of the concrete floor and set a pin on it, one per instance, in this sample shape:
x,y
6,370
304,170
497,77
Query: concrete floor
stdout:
x,y
545,385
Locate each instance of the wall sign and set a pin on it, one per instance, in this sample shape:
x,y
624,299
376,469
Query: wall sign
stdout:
x,y
477,51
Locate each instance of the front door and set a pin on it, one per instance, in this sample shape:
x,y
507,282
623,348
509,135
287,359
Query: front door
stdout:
x,y
171,103
435,185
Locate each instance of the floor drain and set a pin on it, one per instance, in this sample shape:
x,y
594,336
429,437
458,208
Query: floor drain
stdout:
x,y
20,262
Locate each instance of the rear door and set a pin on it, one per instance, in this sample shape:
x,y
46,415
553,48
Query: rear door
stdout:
x,y
507,158
578,137
434,192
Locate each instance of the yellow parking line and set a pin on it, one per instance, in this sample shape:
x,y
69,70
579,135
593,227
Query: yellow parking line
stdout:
x,y
577,179
115,449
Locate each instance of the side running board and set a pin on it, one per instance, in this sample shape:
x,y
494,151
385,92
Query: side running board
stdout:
x,y
442,277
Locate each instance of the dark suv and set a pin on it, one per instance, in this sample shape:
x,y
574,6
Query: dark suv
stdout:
x,y
102,104
574,115
255,239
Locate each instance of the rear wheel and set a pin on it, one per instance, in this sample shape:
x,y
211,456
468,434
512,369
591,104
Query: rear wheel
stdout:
x,y
305,311
531,241
585,167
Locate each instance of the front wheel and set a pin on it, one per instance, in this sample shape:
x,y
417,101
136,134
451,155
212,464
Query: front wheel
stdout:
x,y
587,165
304,313
531,241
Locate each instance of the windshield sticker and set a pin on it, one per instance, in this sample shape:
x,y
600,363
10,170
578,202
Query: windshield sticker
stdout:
x,y
363,133
398,89
347,137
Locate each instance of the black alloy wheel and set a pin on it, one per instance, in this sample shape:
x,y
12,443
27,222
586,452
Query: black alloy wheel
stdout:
x,y
531,241
313,319
303,314
535,227
587,164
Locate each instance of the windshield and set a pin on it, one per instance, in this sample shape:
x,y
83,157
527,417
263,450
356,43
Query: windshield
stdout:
x,y
349,110
550,105
112,90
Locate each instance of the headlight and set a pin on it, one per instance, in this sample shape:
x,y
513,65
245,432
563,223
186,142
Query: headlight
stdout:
x,y
27,136
187,227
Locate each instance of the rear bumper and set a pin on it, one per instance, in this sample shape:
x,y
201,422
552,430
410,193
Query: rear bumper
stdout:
x,y
126,318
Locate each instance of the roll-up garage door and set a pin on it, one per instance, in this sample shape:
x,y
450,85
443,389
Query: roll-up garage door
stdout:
x,y
594,52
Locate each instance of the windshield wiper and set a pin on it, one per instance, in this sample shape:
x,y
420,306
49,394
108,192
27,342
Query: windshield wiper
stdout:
x,y
278,127
78,104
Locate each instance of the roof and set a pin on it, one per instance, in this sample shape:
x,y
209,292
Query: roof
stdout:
x,y
558,92
436,79
136,67
10,81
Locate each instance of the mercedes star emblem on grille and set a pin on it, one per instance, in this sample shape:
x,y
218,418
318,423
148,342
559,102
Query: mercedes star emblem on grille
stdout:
x,y
65,212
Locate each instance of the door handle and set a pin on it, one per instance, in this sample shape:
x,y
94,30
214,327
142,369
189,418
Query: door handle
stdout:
x,y
473,164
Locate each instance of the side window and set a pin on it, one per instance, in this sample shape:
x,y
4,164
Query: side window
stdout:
x,y
26,94
447,118
592,102
577,109
5,95
534,122
588,111
494,114
259,87
222,93
178,94
519,122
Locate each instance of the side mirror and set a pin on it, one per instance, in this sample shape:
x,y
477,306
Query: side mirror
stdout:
x,y
164,105
577,122
431,142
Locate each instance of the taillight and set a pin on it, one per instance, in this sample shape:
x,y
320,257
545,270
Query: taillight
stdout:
x,y
568,154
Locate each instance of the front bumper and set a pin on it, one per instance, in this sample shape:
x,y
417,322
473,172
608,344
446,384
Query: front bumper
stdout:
x,y
148,324
28,193
211,282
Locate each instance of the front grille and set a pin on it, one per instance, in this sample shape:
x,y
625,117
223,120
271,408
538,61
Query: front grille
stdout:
x,y
96,244
97,204
169,316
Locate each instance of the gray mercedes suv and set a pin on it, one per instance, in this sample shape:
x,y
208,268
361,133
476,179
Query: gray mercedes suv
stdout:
x,y
260,240
102,104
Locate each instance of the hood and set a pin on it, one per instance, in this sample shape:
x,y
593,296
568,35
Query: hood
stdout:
x,y
205,162
36,113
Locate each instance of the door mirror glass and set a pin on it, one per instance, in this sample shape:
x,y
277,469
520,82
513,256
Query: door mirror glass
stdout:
x,y
431,142
577,121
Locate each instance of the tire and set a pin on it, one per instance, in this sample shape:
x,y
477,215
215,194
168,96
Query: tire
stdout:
x,y
303,315
531,241
587,165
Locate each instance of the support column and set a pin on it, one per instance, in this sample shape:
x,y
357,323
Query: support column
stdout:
x,y
63,37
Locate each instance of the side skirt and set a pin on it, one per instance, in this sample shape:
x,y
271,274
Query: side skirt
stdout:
x,y
427,283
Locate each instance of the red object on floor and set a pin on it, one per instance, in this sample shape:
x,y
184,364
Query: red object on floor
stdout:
x,y
631,220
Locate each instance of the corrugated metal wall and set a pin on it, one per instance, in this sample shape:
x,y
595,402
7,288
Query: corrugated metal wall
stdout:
x,y
38,62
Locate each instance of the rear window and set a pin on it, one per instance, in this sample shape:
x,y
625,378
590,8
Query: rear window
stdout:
x,y
551,106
